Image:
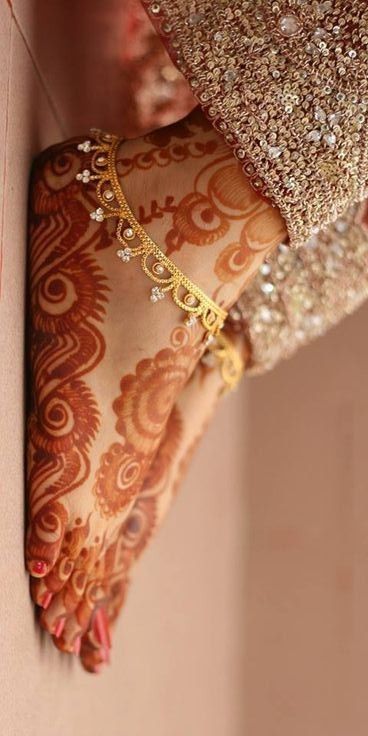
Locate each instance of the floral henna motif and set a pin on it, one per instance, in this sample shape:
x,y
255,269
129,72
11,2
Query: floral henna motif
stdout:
x,y
143,412
119,478
67,301
134,535
147,397
137,530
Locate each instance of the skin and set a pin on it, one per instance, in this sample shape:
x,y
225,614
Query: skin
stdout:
x,y
107,366
187,423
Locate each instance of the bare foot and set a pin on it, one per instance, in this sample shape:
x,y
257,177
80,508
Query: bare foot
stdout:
x,y
108,366
185,427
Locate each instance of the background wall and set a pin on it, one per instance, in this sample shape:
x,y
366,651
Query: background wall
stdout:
x,y
248,615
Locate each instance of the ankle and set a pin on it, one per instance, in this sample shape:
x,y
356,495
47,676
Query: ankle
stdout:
x,y
193,199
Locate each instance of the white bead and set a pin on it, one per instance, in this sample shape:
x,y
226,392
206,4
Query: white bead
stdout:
x,y
330,139
267,287
289,25
85,146
124,254
314,136
274,151
320,115
97,214
156,294
191,321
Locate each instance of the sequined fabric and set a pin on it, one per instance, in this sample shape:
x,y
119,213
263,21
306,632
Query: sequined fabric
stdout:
x,y
287,85
298,295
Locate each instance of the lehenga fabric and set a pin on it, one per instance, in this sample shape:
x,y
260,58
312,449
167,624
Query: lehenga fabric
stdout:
x,y
299,294
286,83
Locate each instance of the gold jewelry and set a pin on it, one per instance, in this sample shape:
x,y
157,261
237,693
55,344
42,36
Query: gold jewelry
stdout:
x,y
231,364
135,241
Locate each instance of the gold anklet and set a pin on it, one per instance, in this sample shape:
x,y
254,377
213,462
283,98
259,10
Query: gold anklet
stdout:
x,y
230,362
135,241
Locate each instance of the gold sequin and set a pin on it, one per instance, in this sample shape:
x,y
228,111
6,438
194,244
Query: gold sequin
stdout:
x,y
286,83
314,287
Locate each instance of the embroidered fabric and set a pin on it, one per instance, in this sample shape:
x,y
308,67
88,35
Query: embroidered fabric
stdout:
x,y
298,295
286,83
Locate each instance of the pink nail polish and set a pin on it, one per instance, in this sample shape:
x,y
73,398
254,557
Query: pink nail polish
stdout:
x,y
46,600
97,669
59,627
101,628
77,646
38,567
106,627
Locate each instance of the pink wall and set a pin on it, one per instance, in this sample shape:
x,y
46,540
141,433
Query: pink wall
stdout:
x,y
249,613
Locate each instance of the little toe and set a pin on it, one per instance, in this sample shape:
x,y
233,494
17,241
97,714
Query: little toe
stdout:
x,y
93,655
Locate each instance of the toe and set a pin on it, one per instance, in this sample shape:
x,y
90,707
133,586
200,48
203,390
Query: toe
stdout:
x,y
63,606
81,619
92,655
96,643
43,589
44,538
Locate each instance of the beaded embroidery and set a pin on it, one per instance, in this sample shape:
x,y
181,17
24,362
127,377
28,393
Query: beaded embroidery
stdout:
x,y
298,295
286,83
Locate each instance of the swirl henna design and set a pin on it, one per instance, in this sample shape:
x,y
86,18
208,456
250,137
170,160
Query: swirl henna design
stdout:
x,y
142,409
87,471
219,198
221,202
134,535
184,429
144,412
68,293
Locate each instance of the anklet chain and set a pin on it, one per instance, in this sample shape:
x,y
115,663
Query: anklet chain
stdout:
x,y
229,360
135,241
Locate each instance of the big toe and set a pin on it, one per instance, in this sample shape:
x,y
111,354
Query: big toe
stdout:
x,y
44,538
44,589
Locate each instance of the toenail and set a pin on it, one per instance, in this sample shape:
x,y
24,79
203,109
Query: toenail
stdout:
x,y
59,627
101,628
77,646
38,567
97,669
46,600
